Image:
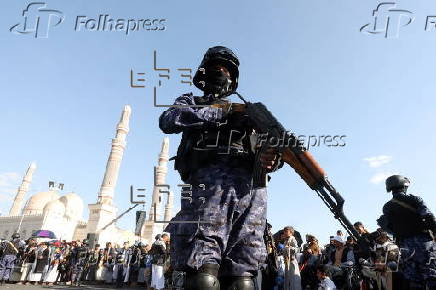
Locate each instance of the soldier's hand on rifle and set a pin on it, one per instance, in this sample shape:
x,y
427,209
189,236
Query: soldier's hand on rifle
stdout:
x,y
226,108
269,159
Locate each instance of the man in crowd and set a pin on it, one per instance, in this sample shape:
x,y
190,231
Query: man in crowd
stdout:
x,y
328,249
325,283
365,243
342,256
121,267
29,258
340,234
158,253
92,263
292,278
143,248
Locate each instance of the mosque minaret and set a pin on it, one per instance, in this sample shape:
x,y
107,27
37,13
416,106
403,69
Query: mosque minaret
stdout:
x,y
103,212
160,174
151,228
114,161
22,190
168,215
63,213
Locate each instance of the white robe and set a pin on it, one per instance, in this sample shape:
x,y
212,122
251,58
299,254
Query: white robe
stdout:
x,y
100,273
157,272
51,274
25,270
157,277
292,270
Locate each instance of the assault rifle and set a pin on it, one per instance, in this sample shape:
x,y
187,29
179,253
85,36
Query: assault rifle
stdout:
x,y
294,153
269,274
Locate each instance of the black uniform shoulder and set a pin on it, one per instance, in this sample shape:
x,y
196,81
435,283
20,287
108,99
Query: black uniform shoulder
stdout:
x,y
415,200
401,199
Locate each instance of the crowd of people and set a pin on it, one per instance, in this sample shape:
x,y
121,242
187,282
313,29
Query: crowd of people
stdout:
x,y
344,263
74,263
401,254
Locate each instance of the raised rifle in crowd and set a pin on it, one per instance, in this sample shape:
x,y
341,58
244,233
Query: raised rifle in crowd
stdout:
x,y
271,271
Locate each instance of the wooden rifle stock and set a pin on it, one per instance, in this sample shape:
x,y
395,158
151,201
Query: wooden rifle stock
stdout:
x,y
305,165
235,107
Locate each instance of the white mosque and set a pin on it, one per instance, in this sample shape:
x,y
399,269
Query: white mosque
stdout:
x,y
63,214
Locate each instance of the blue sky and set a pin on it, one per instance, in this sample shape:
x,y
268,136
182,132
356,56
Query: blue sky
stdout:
x,y
62,96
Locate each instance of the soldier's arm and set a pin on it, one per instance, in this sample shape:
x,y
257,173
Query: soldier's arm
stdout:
x,y
425,213
176,119
384,222
419,204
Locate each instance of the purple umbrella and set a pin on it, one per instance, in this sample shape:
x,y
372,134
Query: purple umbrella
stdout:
x,y
44,234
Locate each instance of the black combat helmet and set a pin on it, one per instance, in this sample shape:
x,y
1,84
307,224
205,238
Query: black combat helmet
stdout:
x,y
221,55
15,236
397,182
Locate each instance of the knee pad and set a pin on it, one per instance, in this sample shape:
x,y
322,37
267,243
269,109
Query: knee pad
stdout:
x,y
202,281
238,283
204,278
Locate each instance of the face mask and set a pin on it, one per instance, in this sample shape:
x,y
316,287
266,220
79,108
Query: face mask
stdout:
x,y
217,82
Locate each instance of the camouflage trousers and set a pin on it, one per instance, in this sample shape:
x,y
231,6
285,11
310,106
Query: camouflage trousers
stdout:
x,y
231,218
7,263
419,263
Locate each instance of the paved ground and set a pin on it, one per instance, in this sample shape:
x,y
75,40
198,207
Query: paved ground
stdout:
x,y
37,287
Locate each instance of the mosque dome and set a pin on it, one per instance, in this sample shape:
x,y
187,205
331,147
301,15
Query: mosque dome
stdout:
x,y
73,205
36,204
55,207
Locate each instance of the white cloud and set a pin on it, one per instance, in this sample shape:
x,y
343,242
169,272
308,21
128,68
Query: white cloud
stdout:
x,y
380,177
377,161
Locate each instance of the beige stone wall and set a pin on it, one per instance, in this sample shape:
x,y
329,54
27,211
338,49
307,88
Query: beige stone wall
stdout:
x,y
80,232
8,225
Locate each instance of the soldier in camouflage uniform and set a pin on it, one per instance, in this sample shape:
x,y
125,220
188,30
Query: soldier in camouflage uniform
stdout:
x,y
413,225
79,257
216,158
10,250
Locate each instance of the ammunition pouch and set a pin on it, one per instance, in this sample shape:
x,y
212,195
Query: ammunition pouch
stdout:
x,y
193,155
